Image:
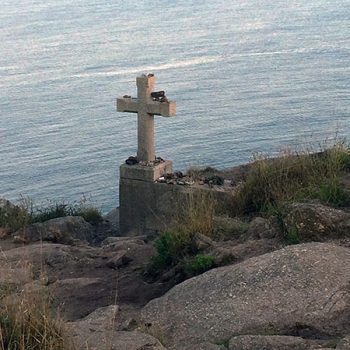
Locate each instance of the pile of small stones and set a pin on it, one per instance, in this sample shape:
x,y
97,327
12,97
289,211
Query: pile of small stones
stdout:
x,y
176,178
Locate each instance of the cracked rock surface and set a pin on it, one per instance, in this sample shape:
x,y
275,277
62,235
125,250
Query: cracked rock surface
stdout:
x,y
298,290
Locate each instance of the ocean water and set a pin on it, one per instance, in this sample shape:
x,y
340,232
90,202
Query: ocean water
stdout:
x,y
248,76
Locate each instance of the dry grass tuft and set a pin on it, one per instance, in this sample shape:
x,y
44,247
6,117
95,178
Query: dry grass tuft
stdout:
x,y
196,213
26,320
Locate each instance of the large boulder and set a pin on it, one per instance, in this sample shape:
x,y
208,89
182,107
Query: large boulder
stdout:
x,y
130,256
97,331
299,290
77,277
316,222
65,230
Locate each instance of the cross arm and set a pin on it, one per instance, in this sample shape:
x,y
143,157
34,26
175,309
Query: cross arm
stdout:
x,y
127,104
165,109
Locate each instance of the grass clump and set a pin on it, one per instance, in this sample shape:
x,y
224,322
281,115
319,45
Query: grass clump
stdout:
x,y
13,217
199,264
26,326
196,213
171,248
198,173
178,247
294,176
178,250
27,322
61,209
332,192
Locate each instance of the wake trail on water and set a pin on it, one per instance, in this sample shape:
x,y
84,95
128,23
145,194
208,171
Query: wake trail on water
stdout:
x,y
165,66
192,62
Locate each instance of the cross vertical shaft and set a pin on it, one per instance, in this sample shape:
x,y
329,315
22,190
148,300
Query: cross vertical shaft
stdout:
x,y
145,121
146,105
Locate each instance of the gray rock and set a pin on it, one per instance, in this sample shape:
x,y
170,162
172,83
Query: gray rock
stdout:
x,y
113,218
108,227
97,331
299,286
344,344
317,222
202,241
83,278
227,228
65,230
262,228
116,240
271,342
233,251
207,346
130,249
120,259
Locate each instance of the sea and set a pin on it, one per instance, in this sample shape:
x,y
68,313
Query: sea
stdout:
x,y
248,76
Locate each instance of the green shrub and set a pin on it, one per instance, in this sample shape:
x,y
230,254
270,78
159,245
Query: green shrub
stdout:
x,y
198,264
195,214
171,248
90,214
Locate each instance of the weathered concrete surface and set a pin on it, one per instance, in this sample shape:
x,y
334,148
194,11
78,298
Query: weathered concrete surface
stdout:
x,y
145,173
152,207
305,286
146,206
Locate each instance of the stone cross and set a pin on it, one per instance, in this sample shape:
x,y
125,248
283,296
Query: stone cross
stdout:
x,y
146,105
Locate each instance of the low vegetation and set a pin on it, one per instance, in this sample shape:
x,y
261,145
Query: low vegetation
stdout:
x,y
55,210
178,247
199,264
178,250
294,176
13,217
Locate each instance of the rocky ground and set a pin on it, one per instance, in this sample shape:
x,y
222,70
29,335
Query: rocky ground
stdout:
x,y
270,295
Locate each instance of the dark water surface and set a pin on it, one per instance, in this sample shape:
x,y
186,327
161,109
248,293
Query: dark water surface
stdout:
x,y
247,75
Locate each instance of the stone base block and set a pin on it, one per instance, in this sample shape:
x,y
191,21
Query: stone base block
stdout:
x,y
145,173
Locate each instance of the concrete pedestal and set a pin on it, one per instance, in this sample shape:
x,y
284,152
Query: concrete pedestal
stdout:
x,y
144,203
146,173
